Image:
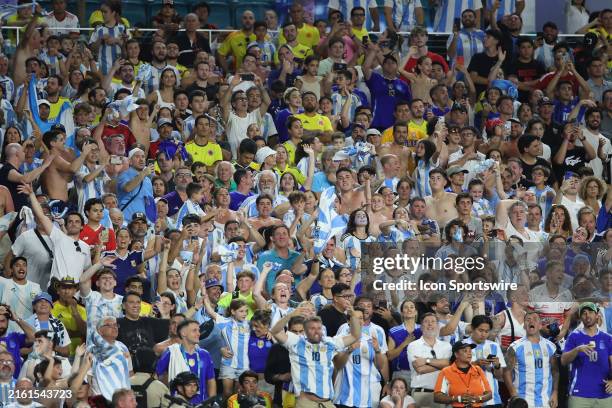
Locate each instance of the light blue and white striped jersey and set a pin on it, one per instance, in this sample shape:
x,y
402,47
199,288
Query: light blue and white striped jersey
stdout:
x,y
319,301
188,207
459,331
352,246
19,298
53,62
482,207
448,10
545,201
92,189
421,173
6,391
353,386
9,87
237,335
532,374
111,367
338,102
28,167
277,313
268,50
368,332
251,206
188,125
402,13
267,126
107,54
345,7
505,7
482,351
470,42
98,307
312,364
151,84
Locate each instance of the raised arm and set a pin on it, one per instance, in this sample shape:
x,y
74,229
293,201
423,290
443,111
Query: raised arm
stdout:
x,y
85,280
451,326
163,267
258,288
306,283
41,218
355,329
226,98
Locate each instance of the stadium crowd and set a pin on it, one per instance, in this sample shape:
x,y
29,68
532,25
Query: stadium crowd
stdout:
x,y
190,217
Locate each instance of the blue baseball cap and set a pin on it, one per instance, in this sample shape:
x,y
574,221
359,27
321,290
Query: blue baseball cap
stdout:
x,y
43,296
212,282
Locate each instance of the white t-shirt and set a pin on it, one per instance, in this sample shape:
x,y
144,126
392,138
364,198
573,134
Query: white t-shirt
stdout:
x,y
573,207
70,257
408,400
420,349
39,263
237,128
70,21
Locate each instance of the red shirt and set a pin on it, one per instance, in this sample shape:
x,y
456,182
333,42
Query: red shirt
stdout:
x,y
120,129
91,237
412,62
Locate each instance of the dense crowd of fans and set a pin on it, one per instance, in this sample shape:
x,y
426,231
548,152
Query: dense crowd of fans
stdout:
x,y
191,217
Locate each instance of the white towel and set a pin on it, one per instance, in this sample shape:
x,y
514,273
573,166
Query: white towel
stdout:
x,y
177,363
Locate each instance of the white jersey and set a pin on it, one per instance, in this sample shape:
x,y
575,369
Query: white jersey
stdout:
x,y
236,336
18,297
108,54
70,257
277,313
98,307
368,332
448,10
353,386
532,373
402,13
312,365
481,352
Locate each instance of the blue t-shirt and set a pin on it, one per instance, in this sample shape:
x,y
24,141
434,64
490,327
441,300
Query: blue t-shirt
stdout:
x,y
259,347
125,268
236,199
281,124
385,94
590,371
175,202
199,363
320,182
278,264
138,203
562,111
13,342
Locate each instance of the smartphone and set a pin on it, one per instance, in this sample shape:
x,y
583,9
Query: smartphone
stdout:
x,y
115,160
247,77
540,34
457,24
490,356
339,66
381,305
150,162
365,39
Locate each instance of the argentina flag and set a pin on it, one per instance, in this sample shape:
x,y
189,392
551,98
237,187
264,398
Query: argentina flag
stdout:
x,y
64,117
329,222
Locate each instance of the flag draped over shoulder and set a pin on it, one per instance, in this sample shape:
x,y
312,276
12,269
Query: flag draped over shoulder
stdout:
x,y
64,116
329,222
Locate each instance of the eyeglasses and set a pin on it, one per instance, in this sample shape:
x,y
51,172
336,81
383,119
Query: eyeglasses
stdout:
x,y
346,296
77,247
183,174
111,325
359,15
6,362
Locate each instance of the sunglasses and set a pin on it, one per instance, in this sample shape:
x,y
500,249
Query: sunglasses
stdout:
x,y
77,247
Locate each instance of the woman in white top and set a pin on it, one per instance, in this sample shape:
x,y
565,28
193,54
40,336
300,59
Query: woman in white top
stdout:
x,y
399,397
164,96
310,81
576,15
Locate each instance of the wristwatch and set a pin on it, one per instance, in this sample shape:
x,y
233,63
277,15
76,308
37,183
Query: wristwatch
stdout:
x,y
428,361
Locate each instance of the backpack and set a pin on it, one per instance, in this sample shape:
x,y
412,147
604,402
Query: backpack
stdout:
x,y
140,392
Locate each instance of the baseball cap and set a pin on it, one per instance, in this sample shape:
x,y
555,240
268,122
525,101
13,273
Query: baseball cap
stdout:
x,y
341,155
545,101
452,170
358,125
163,121
588,305
515,120
461,345
134,151
212,282
139,216
67,281
44,102
168,2
373,132
458,107
43,296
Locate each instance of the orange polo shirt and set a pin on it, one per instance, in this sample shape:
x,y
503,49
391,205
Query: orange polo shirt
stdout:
x,y
453,382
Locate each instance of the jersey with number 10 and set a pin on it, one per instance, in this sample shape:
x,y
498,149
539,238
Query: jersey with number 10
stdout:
x,y
312,365
532,374
353,383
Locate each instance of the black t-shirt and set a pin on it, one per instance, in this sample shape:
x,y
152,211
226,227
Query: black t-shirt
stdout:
x,y
528,168
332,319
481,63
210,90
142,333
574,160
527,71
19,200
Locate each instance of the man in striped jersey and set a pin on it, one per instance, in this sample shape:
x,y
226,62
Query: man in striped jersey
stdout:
x,y
312,356
358,381
532,370
7,382
488,355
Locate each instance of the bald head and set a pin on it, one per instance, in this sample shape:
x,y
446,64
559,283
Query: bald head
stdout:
x,y
13,150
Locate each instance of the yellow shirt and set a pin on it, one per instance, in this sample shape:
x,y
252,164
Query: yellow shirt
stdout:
x,y
236,44
96,18
64,314
227,297
208,154
360,33
299,51
307,35
290,147
317,122
416,132
55,107
146,310
232,402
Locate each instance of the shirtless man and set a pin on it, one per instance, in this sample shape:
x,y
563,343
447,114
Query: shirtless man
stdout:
x,y
376,214
28,47
140,123
440,204
55,180
350,198
6,201
399,149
